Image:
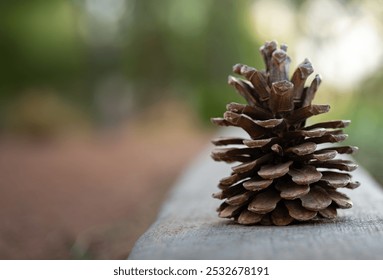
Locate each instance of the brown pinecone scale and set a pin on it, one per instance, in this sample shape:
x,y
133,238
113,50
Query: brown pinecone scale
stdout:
x,y
282,172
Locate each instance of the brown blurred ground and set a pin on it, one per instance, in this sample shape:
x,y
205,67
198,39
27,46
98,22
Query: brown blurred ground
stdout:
x,y
91,197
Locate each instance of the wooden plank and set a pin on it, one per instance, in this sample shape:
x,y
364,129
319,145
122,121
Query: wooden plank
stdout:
x,y
188,227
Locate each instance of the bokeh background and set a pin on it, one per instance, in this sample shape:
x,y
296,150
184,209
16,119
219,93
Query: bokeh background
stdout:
x,y
104,102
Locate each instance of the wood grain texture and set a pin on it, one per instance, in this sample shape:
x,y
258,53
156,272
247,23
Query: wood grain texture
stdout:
x,y
188,227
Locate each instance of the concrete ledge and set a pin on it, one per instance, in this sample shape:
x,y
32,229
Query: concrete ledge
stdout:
x,y
188,227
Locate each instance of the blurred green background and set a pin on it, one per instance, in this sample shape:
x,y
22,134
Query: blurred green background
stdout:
x,y
81,66
97,62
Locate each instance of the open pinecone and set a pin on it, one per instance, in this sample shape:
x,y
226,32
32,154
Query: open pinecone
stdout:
x,y
283,175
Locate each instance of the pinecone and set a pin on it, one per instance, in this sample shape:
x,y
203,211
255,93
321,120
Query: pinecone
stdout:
x,y
283,175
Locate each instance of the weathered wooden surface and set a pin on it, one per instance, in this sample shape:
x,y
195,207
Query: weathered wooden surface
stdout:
x,y
188,226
